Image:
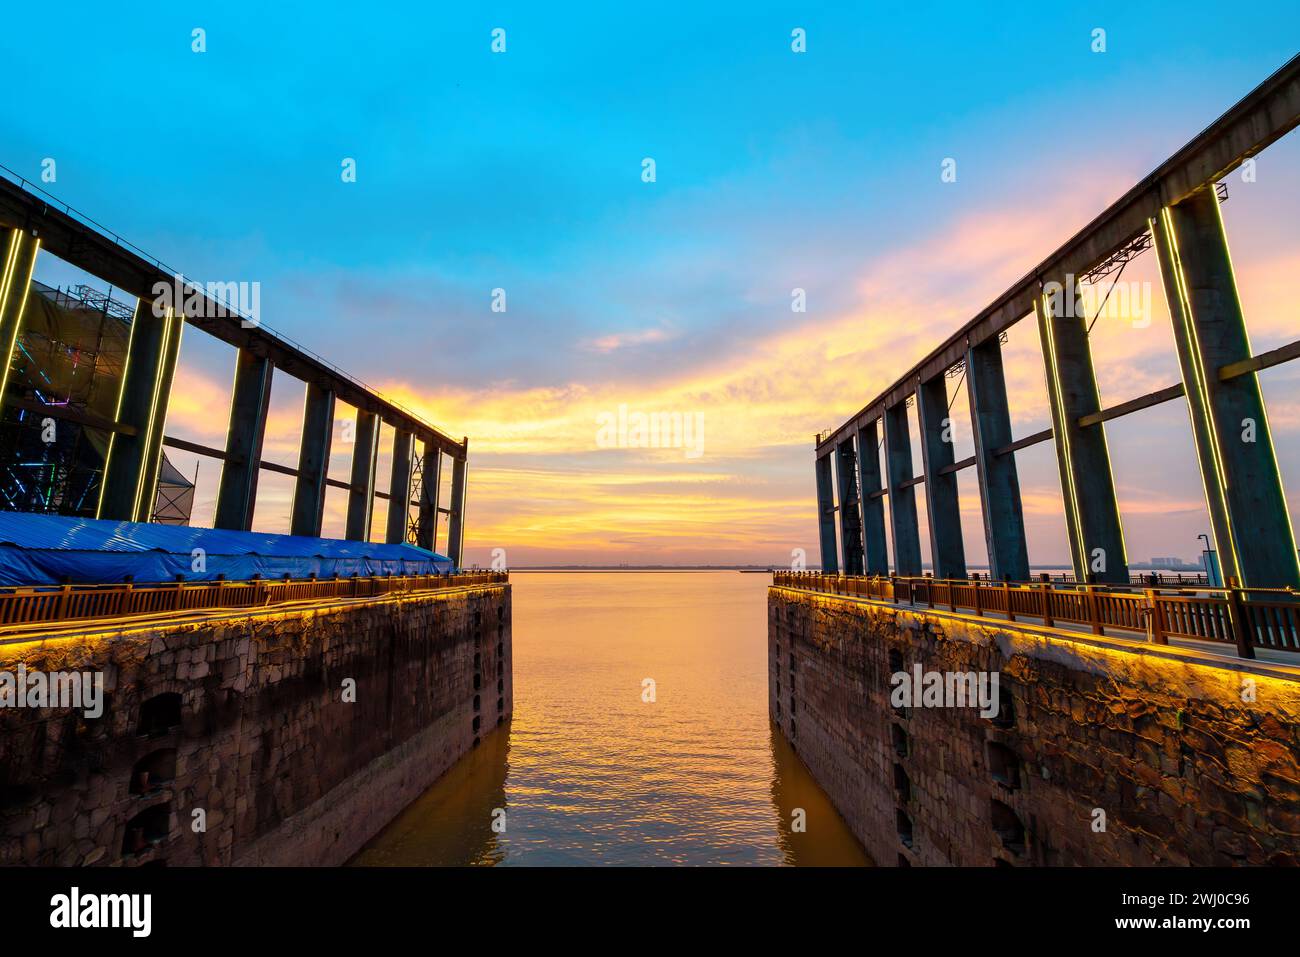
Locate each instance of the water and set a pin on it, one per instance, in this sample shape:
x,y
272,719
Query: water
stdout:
x,y
589,773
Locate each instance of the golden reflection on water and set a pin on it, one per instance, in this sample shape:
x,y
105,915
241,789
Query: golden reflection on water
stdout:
x,y
589,773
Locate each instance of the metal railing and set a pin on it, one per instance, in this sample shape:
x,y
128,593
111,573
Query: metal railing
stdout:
x,y
23,605
1248,618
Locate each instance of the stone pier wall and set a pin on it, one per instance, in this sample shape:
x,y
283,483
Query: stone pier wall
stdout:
x,y
282,736
1103,752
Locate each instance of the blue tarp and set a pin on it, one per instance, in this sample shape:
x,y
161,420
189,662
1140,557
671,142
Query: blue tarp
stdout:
x,y
54,549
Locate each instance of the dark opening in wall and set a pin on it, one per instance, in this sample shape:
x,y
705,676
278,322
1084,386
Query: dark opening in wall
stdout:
x,y
476,705
501,668
478,620
1004,765
501,704
478,681
478,661
501,685
898,736
160,715
904,827
501,649
792,704
1007,826
903,861
902,784
778,710
793,669
153,771
501,613
477,721
794,732
895,661
147,828
1006,716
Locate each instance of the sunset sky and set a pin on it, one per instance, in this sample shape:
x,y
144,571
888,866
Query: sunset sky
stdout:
x,y
522,171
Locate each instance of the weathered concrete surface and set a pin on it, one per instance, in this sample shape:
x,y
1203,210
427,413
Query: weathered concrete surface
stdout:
x,y
285,770
1158,739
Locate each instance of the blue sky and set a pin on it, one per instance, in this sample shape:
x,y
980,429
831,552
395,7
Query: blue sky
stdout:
x,y
522,171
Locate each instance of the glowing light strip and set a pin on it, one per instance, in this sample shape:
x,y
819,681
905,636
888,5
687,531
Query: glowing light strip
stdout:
x,y
117,412
7,291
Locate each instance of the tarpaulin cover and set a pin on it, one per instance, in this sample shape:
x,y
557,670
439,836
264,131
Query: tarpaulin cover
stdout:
x,y
54,549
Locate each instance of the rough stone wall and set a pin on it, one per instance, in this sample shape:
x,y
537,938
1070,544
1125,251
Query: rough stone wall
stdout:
x,y
1158,739
263,742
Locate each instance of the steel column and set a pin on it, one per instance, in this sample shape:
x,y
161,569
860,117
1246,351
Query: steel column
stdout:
x,y
308,508
19,250
850,522
947,552
431,466
1004,523
1234,445
456,524
399,487
361,496
873,505
902,499
249,403
1082,455
826,515
130,483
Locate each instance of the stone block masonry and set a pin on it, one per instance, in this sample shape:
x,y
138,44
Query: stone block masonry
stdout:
x,y
1104,751
288,735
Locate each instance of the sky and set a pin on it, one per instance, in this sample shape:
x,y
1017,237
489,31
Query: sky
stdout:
x,y
519,179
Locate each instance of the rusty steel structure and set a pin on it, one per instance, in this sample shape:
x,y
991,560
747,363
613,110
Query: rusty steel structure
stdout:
x,y
1175,211
32,221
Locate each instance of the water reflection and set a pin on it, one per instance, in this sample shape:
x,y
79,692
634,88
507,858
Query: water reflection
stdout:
x,y
588,772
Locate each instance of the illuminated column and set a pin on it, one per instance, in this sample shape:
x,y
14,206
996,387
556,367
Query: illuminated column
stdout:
x,y
308,509
902,500
130,484
15,281
456,524
399,488
1004,523
947,553
873,506
850,523
1083,458
361,497
1234,445
249,403
826,515
431,473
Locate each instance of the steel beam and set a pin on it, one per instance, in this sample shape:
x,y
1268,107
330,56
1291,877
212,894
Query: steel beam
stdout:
x,y
249,404
361,497
826,516
947,553
902,498
1083,459
431,465
456,522
399,487
308,511
873,507
1234,445
130,483
850,521
1004,524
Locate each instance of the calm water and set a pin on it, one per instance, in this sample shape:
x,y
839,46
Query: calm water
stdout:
x,y
588,773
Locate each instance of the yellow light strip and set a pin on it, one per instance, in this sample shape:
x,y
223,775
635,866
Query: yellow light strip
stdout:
x,y
10,273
